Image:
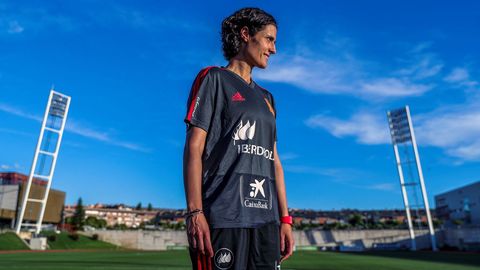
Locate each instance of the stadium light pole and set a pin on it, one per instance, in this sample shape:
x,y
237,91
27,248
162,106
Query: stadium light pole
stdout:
x,y
57,106
401,131
422,182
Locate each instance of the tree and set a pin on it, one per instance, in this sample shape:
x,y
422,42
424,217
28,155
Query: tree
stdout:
x,y
149,207
139,206
95,222
356,220
78,218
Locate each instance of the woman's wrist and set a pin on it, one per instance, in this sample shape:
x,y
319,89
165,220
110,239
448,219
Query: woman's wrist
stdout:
x,y
286,220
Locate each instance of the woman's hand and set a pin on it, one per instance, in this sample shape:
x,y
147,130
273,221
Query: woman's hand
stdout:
x,y
286,241
198,234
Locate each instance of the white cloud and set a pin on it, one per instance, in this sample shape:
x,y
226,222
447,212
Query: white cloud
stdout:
x,y
460,77
421,64
78,129
467,152
316,75
12,110
457,75
14,28
349,75
367,128
383,186
344,176
454,129
394,87
338,175
288,156
312,170
10,167
39,18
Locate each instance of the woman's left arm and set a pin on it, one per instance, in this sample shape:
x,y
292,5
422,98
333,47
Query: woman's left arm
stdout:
x,y
286,235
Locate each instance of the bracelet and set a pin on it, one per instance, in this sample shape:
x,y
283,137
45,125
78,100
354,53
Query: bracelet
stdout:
x,y
193,213
287,220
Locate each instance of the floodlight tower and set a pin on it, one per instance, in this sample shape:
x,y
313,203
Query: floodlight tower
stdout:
x,y
402,134
46,152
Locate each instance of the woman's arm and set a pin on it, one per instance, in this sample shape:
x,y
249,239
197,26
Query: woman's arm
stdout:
x,y
286,235
197,226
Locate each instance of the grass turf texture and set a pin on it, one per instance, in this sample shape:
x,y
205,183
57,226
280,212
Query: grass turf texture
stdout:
x,y
110,260
10,241
64,241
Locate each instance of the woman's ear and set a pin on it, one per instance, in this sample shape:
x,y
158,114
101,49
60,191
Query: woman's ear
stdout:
x,y
244,34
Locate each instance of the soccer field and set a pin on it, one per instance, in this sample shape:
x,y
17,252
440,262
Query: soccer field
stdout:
x,y
133,260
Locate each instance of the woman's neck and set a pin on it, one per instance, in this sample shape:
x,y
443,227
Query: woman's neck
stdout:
x,y
241,68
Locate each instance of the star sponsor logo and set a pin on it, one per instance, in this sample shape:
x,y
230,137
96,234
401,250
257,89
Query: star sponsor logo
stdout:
x,y
257,198
256,187
223,258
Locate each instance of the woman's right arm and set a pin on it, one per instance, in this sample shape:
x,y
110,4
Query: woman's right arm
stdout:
x,y
197,226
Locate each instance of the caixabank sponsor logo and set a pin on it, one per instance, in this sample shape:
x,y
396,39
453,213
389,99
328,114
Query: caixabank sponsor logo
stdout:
x,y
256,197
245,132
255,192
223,258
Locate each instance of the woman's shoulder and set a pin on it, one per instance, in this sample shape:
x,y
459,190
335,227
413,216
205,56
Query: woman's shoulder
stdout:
x,y
209,70
264,91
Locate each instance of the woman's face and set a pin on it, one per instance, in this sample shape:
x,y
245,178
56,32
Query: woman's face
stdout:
x,y
259,47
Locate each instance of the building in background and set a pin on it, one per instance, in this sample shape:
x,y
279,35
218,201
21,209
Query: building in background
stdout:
x,y
460,206
115,215
12,190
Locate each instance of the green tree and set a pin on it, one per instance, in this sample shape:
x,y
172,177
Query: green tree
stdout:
x,y
95,222
78,219
149,207
356,220
139,206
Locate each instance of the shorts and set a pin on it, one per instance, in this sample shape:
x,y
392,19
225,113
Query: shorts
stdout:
x,y
241,249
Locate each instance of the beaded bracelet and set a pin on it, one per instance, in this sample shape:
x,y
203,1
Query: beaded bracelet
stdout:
x,y
194,213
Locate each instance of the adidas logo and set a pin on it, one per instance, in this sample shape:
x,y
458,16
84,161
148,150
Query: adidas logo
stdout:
x,y
237,97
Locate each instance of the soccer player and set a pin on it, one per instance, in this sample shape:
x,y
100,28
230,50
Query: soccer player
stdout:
x,y
236,200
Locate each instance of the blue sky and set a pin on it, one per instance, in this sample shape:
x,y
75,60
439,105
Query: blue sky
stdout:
x,y
340,65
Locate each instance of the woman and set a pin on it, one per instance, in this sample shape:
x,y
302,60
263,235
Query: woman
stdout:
x,y
236,201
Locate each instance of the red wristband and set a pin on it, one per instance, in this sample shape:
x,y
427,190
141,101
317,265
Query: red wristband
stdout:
x,y
287,220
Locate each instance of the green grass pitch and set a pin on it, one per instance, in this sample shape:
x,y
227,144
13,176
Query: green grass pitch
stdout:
x,y
10,241
136,260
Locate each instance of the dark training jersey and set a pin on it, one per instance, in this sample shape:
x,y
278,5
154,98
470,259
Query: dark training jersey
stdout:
x,y
238,189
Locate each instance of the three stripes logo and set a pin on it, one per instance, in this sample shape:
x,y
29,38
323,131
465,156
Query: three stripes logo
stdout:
x,y
238,97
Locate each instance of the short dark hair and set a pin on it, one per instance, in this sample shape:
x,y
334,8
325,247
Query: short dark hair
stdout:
x,y
253,18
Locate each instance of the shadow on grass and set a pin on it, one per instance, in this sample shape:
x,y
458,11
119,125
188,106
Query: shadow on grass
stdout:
x,y
451,257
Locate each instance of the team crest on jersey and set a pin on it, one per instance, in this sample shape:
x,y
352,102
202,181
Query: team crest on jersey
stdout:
x,y
223,258
270,107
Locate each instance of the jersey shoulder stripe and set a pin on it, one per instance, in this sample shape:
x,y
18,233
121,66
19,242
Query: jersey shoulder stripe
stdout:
x,y
194,92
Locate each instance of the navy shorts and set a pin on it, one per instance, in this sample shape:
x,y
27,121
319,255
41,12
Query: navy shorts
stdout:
x,y
241,249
